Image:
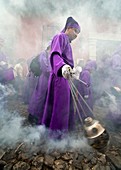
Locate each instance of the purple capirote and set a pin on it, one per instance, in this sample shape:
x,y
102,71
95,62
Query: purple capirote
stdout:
x,y
71,23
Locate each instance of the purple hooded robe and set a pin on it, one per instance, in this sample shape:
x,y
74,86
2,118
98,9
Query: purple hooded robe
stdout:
x,y
114,117
84,90
37,101
6,73
115,73
58,114
29,84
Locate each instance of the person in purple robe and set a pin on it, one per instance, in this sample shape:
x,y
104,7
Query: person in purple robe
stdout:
x,y
29,84
6,72
58,112
114,117
115,73
37,101
85,103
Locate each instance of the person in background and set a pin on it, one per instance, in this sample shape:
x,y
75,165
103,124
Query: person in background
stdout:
x,y
102,80
113,117
116,70
6,73
78,70
29,84
21,73
58,112
37,100
85,90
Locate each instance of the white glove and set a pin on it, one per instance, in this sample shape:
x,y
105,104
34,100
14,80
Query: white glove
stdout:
x,y
66,71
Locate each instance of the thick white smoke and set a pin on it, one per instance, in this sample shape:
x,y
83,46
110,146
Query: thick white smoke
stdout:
x,y
87,13
14,130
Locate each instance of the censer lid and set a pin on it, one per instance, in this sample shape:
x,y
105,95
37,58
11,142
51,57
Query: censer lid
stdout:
x,y
93,128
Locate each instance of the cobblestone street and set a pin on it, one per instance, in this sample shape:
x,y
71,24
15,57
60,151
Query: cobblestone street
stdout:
x,y
19,157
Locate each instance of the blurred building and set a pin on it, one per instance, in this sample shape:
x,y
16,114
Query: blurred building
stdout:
x,y
39,22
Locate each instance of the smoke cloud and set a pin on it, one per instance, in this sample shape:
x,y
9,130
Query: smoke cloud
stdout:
x,y
15,130
26,25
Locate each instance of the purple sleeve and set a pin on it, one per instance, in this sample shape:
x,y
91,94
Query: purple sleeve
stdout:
x,y
57,47
57,64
